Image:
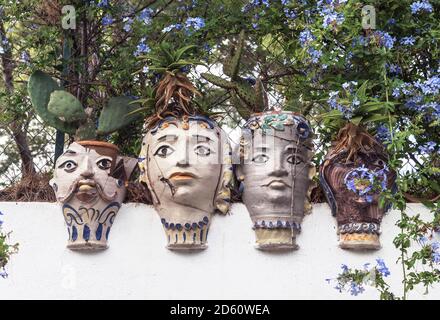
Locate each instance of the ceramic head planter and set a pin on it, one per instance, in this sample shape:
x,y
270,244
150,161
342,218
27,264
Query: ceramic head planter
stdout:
x,y
276,172
353,174
89,182
186,163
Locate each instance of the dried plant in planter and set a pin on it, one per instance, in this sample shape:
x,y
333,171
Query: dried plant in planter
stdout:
x,y
185,160
354,173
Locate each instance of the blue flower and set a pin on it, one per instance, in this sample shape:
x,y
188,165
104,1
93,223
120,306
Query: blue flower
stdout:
x,y
103,3
306,36
382,268
435,257
314,54
369,198
195,23
127,24
429,147
408,41
107,20
423,240
391,21
142,47
3,273
383,133
290,14
176,26
145,15
355,289
420,6
367,266
430,87
435,246
344,268
385,39
394,68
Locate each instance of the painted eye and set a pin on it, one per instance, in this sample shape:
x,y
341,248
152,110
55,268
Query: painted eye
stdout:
x,y
119,183
202,151
104,164
164,151
379,163
262,158
68,166
294,160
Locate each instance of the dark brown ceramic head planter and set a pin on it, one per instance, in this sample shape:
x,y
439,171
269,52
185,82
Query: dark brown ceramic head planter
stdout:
x,y
353,175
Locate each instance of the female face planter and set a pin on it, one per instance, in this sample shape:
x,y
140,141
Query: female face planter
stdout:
x,y
89,182
276,149
352,183
186,163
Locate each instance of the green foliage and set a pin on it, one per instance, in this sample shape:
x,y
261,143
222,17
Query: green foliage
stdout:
x,y
62,110
65,106
117,114
40,87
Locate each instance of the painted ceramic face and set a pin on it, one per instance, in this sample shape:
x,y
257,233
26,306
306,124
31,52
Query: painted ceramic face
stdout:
x,y
352,189
89,182
182,161
276,176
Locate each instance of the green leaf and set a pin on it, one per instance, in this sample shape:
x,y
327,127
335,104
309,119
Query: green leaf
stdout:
x,y
116,114
66,106
40,86
356,120
332,114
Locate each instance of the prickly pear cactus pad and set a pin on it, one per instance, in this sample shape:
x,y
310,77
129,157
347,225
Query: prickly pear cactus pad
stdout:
x,y
66,106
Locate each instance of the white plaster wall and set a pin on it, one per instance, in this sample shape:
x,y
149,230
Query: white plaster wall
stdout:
x,y
138,266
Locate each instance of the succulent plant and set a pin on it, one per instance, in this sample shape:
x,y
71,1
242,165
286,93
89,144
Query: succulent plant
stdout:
x,y
246,98
63,111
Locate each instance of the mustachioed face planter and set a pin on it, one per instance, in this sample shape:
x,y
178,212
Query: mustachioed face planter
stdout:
x,y
186,164
352,176
275,172
89,182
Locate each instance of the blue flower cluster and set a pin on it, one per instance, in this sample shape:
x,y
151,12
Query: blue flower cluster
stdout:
x,y
107,20
383,134
429,147
417,96
327,10
408,41
346,110
381,38
103,3
346,279
382,268
142,47
421,6
190,25
365,182
434,247
305,37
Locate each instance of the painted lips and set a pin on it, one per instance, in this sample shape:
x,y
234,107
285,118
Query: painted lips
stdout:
x,y
277,184
182,176
86,185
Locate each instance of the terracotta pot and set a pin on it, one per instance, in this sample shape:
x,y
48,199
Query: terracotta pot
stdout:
x,y
186,164
89,182
350,174
275,174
